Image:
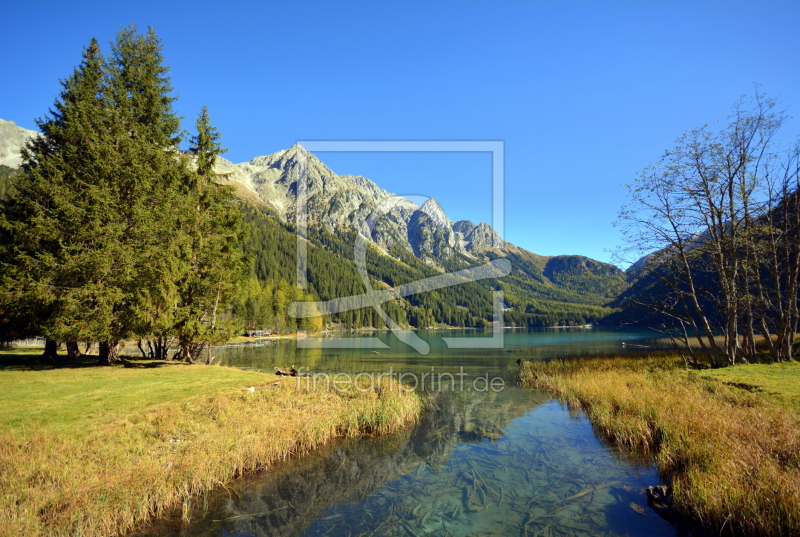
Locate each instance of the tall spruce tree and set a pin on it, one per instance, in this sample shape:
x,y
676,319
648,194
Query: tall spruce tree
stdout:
x,y
152,189
213,259
44,225
88,234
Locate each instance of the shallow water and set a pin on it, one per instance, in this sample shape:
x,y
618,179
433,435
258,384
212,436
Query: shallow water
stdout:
x,y
486,459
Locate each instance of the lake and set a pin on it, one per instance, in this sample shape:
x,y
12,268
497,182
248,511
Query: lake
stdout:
x,y
487,458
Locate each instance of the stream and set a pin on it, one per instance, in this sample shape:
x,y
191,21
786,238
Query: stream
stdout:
x,y
488,457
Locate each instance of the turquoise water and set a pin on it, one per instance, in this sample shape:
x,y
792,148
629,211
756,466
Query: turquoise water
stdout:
x,y
488,458
525,344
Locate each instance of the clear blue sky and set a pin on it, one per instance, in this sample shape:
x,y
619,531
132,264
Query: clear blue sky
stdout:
x,y
584,94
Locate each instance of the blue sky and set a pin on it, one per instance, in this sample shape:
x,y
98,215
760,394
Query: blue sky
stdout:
x,y
583,94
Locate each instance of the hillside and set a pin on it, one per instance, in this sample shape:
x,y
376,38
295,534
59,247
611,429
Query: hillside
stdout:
x,y
531,298
406,242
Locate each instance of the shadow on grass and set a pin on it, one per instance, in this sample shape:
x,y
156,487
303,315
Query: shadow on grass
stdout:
x,y
26,361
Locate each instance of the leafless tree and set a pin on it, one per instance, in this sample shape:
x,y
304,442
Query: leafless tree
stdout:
x,y
718,218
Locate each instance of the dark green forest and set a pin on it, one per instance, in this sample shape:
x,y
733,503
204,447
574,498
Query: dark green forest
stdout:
x,y
566,290
112,229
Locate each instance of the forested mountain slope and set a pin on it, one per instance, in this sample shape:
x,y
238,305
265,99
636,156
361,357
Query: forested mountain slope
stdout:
x,y
407,242
532,298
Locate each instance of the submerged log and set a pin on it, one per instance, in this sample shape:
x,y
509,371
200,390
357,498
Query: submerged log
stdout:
x,y
290,372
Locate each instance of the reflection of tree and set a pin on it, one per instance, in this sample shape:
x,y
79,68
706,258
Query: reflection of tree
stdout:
x,y
459,416
546,475
286,500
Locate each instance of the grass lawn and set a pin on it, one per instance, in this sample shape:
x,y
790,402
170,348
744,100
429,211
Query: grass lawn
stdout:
x,y
779,381
70,399
91,450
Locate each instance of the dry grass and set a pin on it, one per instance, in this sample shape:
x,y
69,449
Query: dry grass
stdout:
x,y
105,449
732,456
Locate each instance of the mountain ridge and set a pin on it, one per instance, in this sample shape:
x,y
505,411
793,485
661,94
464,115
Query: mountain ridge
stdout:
x,y
334,200
410,242
12,138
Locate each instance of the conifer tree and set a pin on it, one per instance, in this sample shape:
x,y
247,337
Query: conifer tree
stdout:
x,y
213,258
44,227
152,187
89,231
140,87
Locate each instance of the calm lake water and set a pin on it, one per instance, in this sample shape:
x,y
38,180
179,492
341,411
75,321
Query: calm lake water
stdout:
x,y
488,458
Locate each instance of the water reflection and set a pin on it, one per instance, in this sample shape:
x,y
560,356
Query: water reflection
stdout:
x,y
509,462
546,475
503,463
526,344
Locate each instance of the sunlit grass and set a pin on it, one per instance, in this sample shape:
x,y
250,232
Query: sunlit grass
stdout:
x,y
731,454
96,450
780,381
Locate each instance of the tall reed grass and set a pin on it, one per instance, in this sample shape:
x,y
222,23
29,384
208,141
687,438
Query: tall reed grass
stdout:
x,y
104,477
731,456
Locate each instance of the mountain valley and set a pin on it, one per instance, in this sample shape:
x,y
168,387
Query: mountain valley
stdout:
x,y
406,242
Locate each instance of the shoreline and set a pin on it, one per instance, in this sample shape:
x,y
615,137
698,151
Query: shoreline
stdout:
x,y
131,347
726,442
113,447
303,335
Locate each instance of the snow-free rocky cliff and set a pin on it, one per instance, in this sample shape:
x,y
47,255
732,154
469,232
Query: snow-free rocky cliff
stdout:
x,y
12,138
333,201
352,201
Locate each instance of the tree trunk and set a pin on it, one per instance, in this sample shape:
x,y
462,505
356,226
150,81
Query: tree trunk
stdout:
x,y
185,352
141,349
109,352
162,348
50,348
73,352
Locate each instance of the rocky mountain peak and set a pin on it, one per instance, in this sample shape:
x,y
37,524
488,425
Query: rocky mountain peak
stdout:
x,y
435,212
464,227
335,201
12,139
483,237
287,158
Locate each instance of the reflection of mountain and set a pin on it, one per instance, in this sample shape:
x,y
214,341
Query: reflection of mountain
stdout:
x,y
287,500
547,474
466,417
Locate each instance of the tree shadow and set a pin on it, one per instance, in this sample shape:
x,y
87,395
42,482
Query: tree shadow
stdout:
x,y
11,361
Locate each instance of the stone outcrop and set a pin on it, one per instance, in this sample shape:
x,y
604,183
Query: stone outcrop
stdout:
x,y
333,201
12,139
